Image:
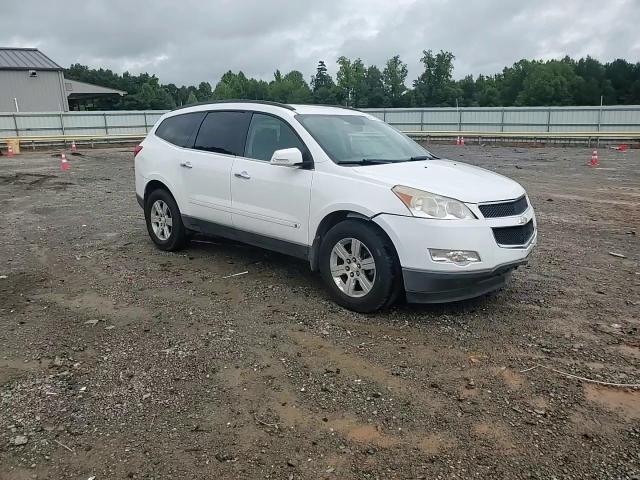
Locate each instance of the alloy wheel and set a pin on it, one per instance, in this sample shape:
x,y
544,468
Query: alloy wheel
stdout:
x,y
352,267
161,221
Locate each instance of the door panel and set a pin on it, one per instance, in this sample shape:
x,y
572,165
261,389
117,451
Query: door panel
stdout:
x,y
273,201
205,178
207,167
267,199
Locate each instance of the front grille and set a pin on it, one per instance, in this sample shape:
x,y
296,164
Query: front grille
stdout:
x,y
519,235
504,209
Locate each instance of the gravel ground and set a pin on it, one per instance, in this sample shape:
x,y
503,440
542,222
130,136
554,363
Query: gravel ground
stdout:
x,y
121,361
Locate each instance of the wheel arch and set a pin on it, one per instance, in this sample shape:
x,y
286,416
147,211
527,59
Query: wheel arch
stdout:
x,y
155,185
332,219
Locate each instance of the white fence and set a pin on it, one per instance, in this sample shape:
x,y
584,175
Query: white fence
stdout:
x,y
618,119
68,124
577,122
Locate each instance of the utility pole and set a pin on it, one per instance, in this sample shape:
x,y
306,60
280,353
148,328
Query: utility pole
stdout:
x,y
599,119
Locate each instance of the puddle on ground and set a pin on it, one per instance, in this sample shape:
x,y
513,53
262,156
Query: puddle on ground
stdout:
x,y
362,433
34,180
435,443
624,402
629,350
512,379
497,434
13,369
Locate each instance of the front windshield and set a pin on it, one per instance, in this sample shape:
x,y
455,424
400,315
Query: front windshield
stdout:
x,y
352,139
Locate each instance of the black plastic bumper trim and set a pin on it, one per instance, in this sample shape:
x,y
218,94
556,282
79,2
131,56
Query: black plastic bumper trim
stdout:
x,y
282,246
438,287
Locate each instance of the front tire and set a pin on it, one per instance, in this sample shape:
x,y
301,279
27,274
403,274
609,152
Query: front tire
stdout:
x,y
164,222
358,263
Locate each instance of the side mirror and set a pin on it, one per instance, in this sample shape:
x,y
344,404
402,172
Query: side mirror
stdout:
x,y
287,157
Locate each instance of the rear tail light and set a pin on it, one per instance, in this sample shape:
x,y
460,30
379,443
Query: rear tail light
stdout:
x,y
136,150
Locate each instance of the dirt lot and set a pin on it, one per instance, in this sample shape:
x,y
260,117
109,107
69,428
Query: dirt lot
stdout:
x,y
121,361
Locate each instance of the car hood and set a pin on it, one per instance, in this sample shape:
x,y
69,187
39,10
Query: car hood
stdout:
x,y
445,177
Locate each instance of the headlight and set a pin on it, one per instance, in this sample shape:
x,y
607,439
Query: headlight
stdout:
x,y
430,205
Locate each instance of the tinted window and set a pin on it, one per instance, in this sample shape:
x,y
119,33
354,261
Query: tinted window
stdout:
x,y
223,132
268,134
180,129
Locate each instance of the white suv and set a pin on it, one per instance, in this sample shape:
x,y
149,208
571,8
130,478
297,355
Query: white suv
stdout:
x,y
373,211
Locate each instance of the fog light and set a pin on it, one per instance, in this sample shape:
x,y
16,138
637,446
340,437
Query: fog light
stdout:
x,y
459,257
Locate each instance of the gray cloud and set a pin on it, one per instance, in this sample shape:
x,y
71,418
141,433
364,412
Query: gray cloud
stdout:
x,y
194,40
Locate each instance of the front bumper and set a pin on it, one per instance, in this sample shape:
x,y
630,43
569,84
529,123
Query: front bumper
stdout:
x,y
428,281
412,238
438,287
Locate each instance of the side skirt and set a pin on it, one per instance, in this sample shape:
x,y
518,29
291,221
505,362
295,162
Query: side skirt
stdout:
x,y
255,239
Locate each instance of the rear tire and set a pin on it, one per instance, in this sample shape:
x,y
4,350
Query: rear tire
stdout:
x,y
164,222
359,265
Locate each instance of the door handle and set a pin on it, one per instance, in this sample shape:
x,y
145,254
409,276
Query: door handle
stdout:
x,y
186,164
242,174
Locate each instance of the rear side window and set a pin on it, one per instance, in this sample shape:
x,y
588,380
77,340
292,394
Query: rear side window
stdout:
x,y
180,129
223,132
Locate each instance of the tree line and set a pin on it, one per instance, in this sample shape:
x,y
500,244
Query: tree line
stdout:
x,y
525,83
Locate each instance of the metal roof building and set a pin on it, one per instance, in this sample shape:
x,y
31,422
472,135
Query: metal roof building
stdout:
x,y
32,82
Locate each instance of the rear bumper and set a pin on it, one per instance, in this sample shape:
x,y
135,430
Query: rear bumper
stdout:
x,y
437,287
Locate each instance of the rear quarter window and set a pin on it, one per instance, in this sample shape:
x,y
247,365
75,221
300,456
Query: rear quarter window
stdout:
x,y
180,129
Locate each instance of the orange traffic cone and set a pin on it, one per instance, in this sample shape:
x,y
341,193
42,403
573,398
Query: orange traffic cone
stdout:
x,y
64,164
458,141
594,159
74,148
462,141
9,151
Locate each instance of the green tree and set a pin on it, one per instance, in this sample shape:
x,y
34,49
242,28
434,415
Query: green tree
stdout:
x,y
290,88
345,81
468,96
278,89
150,96
512,80
323,87
374,90
434,87
321,79
487,93
625,80
360,86
174,91
549,83
394,76
594,84
204,92
192,99
351,82
527,82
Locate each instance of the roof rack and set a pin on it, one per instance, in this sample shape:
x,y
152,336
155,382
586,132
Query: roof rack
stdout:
x,y
336,106
238,100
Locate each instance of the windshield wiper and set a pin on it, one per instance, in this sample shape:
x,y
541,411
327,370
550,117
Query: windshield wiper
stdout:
x,y
366,161
377,161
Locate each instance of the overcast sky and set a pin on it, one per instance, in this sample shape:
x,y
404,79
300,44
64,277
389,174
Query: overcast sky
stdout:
x,y
188,41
